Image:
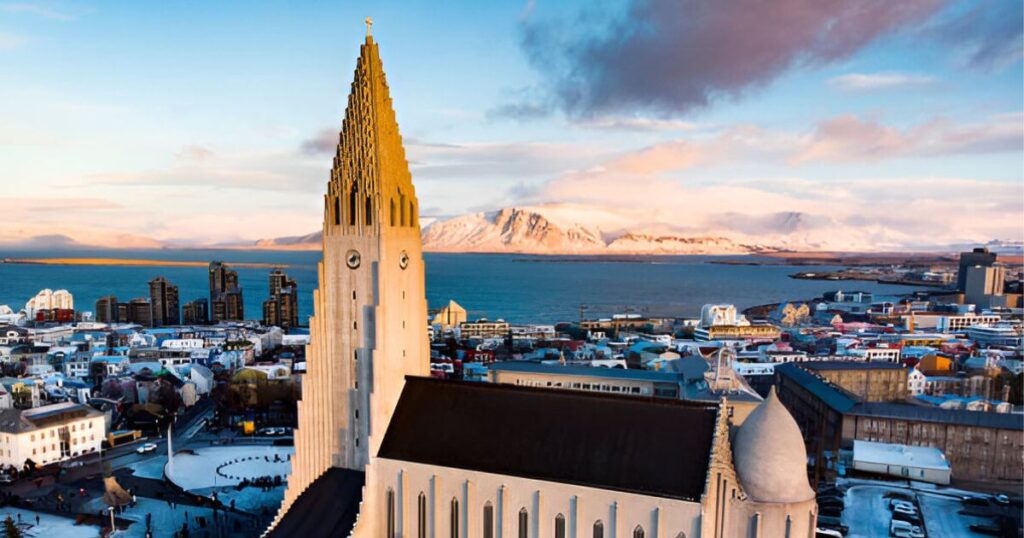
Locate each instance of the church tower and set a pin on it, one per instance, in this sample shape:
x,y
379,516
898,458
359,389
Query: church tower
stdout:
x,y
368,330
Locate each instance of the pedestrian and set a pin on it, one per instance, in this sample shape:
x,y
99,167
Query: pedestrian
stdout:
x,y
19,518
37,520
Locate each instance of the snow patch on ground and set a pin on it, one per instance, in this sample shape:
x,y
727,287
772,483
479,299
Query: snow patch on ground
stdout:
x,y
49,526
150,468
228,466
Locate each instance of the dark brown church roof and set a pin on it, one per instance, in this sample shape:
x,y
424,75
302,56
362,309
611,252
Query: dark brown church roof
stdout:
x,y
642,445
328,507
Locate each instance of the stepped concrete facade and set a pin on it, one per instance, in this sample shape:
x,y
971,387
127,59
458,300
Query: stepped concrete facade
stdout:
x,y
369,325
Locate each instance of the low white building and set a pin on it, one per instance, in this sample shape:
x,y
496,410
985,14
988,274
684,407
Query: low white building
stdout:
x,y
873,354
915,382
49,434
182,343
921,463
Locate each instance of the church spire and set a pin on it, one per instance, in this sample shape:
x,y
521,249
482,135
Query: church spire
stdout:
x,y
370,188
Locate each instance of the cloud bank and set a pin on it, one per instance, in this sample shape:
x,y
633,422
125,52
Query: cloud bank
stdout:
x,y
668,57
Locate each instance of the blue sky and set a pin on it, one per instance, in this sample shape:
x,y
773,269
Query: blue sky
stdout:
x,y
138,123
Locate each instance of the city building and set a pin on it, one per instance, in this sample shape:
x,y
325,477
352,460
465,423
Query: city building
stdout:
x,y
978,257
163,296
449,316
984,285
373,460
196,312
483,328
920,463
106,309
140,311
49,434
977,445
48,299
1001,335
870,382
281,309
226,302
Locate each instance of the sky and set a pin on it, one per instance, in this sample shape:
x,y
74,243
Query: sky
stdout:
x,y
181,123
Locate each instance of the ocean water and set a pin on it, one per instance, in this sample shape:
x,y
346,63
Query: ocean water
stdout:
x,y
518,288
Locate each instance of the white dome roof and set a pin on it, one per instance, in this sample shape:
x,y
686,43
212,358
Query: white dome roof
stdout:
x,y
770,457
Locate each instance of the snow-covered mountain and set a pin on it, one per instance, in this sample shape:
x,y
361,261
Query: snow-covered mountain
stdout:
x,y
568,229
587,229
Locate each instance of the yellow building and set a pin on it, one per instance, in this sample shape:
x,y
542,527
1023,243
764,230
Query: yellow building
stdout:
x,y
449,316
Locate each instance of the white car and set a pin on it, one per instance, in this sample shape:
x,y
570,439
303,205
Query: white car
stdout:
x,y
908,510
902,529
148,447
898,503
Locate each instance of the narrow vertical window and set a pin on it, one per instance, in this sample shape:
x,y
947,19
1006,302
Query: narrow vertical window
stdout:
x,y
401,208
412,213
369,211
337,211
488,520
598,529
391,513
524,523
392,213
421,514
559,526
455,518
352,206
638,532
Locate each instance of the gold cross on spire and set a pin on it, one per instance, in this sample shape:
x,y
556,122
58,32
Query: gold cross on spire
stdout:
x,y
369,24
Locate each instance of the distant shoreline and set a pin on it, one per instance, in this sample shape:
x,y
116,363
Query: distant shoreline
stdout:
x,y
132,262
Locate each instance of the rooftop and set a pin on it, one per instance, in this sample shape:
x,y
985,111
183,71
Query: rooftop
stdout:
x,y
842,402
640,445
893,454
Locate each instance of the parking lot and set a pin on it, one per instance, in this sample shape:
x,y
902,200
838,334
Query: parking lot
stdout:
x,y
867,510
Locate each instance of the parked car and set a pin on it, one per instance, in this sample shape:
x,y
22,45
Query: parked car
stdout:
x,y
899,495
148,447
1002,499
827,533
832,523
896,503
913,519
902,529
6,478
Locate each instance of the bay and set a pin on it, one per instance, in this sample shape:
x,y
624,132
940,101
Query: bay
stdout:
x,y
518,288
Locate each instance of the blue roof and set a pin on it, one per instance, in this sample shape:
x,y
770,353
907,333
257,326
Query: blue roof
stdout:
x,y
108,358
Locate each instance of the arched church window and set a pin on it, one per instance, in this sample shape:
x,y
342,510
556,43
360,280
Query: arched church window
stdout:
x,y
488,520
337,211
455,518
638,532
421,516
598,529
391,218
524,522
390,499
559,526
681,535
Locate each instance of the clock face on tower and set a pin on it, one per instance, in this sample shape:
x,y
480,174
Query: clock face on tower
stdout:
x,y
403,260
352,259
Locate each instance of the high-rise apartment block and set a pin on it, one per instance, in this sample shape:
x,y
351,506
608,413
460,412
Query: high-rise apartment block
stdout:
x,y
225,294
282,308
163,296
196,312
977,257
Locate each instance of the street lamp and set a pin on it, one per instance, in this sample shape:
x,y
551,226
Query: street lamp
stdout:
x,y
112,527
